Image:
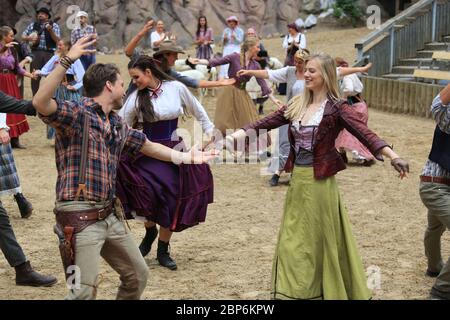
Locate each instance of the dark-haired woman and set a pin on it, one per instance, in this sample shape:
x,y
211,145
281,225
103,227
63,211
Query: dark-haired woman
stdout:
x,y
204,39
9,67
174,196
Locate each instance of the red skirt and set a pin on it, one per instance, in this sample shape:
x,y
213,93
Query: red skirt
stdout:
x,y
17,123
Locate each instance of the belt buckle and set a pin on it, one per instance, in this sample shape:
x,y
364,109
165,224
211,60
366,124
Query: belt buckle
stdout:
x,y
99,214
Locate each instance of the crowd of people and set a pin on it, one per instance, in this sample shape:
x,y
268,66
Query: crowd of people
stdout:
x,y
118,155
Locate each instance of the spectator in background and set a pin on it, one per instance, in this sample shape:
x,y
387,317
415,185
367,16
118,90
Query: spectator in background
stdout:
x,y
43,35
292,42
232,38
160,35
83,30
204,39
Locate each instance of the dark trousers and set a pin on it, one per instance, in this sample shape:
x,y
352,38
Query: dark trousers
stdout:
x,y
40,58
8,242
87,60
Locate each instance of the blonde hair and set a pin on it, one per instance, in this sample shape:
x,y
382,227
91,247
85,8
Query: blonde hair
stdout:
x,y
327,68
248,43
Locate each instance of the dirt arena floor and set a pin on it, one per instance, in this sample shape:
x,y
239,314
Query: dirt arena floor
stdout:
x,y
230,255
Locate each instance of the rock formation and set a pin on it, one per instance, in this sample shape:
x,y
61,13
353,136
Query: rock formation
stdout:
x,y
118,20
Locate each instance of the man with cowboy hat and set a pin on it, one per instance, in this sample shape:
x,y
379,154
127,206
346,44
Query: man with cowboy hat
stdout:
x,y
43,35
84,29
232,37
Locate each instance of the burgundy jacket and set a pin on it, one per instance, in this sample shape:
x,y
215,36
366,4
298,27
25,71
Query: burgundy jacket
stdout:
x,y
336,116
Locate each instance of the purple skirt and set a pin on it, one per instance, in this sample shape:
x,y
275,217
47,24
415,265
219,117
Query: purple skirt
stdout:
x,y
174,196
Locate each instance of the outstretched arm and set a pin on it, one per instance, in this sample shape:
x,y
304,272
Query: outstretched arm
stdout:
x,y
261,74
345,71
43,101
129,49
218,83
163,153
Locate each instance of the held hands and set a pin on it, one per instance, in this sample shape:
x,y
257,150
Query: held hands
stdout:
x,y
147,27
80,47
401,166
278,103
71,88
11,44
196,156
4,136
227,82
243,72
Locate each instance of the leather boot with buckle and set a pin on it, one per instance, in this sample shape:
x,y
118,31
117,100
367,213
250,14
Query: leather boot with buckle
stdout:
x,y
25,207
147,241
26,276
163,256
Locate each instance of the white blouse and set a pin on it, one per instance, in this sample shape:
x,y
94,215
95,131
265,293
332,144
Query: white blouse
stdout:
x,y
168,105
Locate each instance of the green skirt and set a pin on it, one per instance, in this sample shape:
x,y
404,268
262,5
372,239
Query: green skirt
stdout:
x,y
316,255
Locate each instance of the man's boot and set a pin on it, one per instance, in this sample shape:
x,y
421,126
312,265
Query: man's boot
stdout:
x,y
25,207
147,241
163,256
26,276
15,144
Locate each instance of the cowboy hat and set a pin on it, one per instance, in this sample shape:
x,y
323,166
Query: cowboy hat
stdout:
x,y
44,10
168,46
232,18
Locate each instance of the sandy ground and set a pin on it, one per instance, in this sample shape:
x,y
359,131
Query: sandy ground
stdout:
x,y
230,255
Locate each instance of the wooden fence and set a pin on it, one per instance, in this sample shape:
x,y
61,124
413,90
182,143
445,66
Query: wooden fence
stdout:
x,y
399,96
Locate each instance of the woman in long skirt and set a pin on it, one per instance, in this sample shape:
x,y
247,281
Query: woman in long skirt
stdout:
x,y
316,254
9,66
174,196
235,107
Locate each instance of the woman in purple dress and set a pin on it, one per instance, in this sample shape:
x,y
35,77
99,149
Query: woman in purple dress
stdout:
x,y
174,196
204,39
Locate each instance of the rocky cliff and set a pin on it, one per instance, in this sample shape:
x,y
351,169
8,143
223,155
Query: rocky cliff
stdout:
x,y
118,20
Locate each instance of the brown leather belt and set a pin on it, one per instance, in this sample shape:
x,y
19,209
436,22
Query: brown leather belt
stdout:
x,y
6,71
440,180
88,214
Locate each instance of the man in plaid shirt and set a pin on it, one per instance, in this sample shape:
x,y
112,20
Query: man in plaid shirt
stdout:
x,y
44,35
83,30
105,235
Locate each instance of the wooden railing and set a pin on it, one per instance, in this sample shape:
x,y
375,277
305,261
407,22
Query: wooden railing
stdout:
x,y
396,96
400,37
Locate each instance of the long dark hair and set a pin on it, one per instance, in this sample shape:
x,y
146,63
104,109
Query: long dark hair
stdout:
x,y
144,101
199,26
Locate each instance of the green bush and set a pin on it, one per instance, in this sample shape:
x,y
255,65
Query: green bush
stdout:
x,y
349,8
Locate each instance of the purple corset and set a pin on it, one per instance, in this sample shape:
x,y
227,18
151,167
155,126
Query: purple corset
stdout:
x,y
160,130
304,142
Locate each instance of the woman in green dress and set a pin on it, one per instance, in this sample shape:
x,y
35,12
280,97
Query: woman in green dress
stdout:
x,y
316,255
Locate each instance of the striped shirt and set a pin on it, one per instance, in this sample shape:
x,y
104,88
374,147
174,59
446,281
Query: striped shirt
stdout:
x,y
103,150
441,114
42,43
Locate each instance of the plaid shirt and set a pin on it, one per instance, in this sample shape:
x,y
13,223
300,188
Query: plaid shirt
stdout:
x,y
79,33
42,43
103,150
